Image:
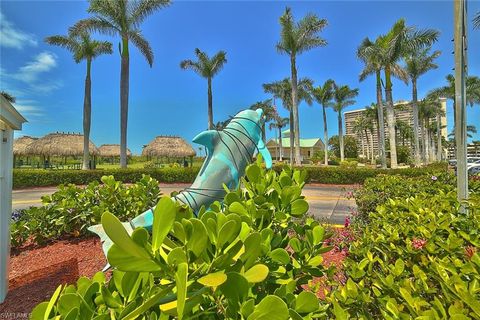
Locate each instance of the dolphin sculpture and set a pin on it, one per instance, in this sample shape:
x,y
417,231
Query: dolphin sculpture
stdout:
x,y
229,151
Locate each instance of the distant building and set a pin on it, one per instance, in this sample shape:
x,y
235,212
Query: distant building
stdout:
x,y
403,112
308,147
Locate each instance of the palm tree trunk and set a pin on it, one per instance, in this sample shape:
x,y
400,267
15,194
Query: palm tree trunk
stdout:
x,y
422,131
368,144
371,148
340,135
292,134
87,117
362,146
415,123
381,125
439,138
325,135
431,146
210,103
280,143
425,141
296,123
124,88
390,120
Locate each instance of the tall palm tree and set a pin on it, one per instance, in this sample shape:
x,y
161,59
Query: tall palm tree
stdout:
x,y
343,97
417,63
269,112
296,38
428,109
472,88
323,95
122,18
279,123
283,90
370,53
363,126
371,115
206,67
8,96
399,40
83,47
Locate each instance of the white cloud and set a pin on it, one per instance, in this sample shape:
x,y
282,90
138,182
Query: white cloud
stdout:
x,y
11,37
43,62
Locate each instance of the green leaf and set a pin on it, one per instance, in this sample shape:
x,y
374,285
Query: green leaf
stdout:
x,y
339,312
119,236
125,262
51,303
181,281
270,308
67,302
315,261
227,232
163,218
176,256
295,244
399,267
280,255
318,234
253,173
238,208
306,302
352,288
257,273
299,207
199,238
213,279
38,312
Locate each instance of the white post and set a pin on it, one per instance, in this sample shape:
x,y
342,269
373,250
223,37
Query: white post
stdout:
x,y
6,164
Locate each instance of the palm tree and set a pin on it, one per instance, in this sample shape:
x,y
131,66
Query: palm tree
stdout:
x,y
417,63
398,41
404,131
206,67
296,38
8,96
269,112
283,90
428,108
324,95
363,126
83,47
371,115
122,18
476,20
279,123
472,85
343,97
370,53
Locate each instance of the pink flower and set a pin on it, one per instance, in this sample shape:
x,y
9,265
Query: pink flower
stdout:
x,y
347,222
434,178
418,244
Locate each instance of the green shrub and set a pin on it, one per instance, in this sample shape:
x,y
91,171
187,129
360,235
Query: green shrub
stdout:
x,y
349,164
71,210
404,155
245,258
23,178
416,259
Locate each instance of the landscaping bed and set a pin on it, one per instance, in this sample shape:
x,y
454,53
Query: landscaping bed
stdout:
x,y
35,272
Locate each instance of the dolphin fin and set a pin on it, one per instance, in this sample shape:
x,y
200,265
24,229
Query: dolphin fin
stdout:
x,y
206,139
265,153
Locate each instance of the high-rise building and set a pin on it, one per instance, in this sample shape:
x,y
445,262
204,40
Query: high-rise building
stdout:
x,y
403,114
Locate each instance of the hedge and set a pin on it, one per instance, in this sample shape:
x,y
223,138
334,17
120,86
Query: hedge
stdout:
x,y
23,178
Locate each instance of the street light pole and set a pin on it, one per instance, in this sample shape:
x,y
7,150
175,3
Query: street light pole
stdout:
x,y
460,38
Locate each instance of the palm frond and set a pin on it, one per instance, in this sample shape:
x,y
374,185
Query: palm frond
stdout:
x,y
476,21
287,41
66,42
142,9
400,73
192,65
101,47
10,98
218,61
98,24
142,44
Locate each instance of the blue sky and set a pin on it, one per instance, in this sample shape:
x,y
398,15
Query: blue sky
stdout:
x,y
167,100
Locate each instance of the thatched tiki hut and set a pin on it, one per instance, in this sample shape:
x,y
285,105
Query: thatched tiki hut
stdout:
x,y
169,147
61,145
20,149
111,151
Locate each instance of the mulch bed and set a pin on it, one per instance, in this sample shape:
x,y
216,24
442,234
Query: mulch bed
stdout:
x,y
36,272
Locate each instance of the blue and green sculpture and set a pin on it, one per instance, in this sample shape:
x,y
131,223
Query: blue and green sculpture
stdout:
x,y
229,151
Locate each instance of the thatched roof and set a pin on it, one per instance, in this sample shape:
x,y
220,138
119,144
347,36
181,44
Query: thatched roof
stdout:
x,y
20,145
111,150
165,146
60,144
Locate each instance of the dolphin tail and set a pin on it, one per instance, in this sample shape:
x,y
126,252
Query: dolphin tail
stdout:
x,y
262,149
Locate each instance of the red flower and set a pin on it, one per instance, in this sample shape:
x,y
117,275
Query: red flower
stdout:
x,y
347,222
418,244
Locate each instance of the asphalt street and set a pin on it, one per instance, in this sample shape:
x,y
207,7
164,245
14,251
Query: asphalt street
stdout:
x,y
327,202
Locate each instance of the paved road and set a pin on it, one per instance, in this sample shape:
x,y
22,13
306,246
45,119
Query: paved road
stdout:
x,y
327,202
